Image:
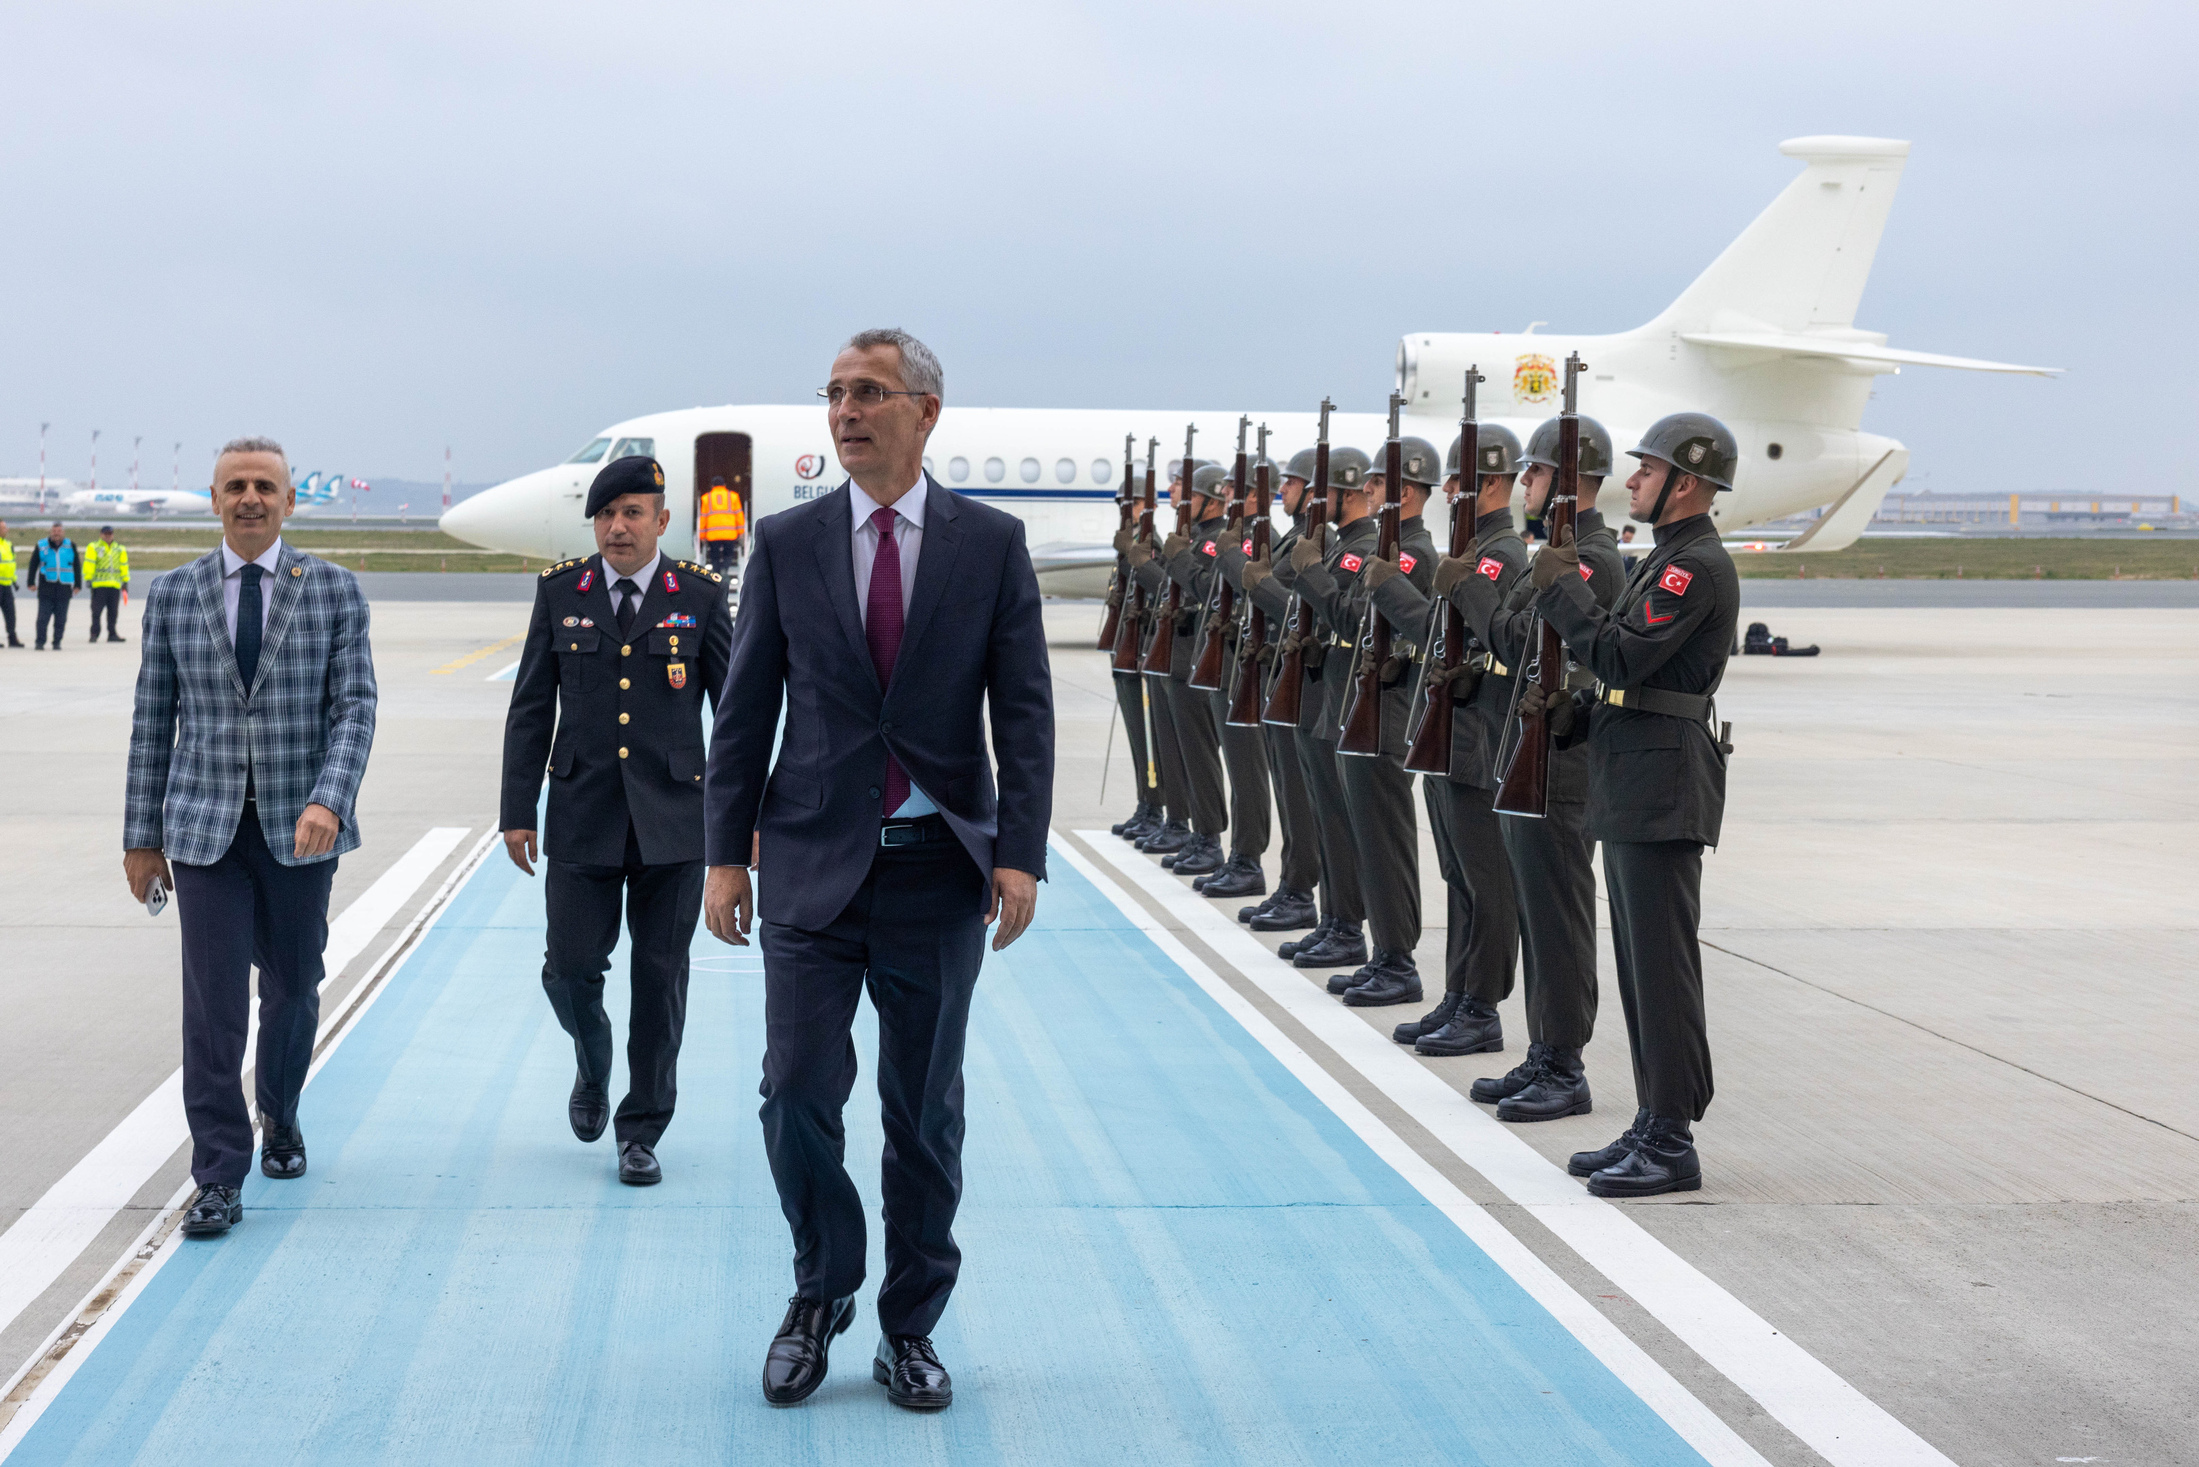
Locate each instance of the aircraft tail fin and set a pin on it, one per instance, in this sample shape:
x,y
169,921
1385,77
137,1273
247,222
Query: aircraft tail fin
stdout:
x,y
1802,263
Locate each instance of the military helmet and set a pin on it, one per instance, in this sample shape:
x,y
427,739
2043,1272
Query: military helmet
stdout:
x,y
1300,466
1495,447
1542,446
1347,468
1175,468
1416,456
1210,480
1694,443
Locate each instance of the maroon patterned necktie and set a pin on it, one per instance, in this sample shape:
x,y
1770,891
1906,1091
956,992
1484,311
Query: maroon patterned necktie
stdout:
x,y
882,629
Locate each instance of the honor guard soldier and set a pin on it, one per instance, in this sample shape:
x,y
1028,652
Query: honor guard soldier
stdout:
x,y
1551,859
1244,750
1656,779
621,650
107,572
1150,566
1292,907
1377,790
1189,560
1339,941
7,584
1481,936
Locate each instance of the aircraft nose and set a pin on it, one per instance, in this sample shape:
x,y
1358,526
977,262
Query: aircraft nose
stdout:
x,y
512,517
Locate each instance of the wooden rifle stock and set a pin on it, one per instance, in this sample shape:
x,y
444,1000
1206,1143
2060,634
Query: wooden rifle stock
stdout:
x,y
1428,750
1221,601
1524,786
1286,700
1132,628
1118,594
1244,695
1162,654
1362,727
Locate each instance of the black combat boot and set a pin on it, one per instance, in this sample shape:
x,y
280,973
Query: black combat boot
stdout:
x,y
1391,979
1588,1163
1321,929
1663,1160
1172,836
1286,911
1344,947
1148,819
1474,1029
1242,877
1559,1088
1490,1089
1122,827
1428,1022
1203,855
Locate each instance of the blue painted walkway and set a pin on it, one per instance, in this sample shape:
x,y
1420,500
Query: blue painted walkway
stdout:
x,y
1174,1254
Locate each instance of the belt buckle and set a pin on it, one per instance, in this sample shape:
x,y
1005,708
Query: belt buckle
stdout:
x,y
911,835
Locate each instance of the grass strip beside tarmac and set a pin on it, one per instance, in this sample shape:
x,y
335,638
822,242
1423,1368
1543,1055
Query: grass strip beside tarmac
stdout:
x,y
1968,558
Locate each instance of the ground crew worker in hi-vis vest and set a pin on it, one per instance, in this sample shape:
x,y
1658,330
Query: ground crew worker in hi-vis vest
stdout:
x,y
724,521
56,570
107,572
7,584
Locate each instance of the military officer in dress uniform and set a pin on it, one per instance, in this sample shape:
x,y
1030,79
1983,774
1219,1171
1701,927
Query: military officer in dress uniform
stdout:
x,y
1292,907
1552,859
621,650
1656,779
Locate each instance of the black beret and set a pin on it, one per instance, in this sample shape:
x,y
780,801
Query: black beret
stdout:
x,y
634,474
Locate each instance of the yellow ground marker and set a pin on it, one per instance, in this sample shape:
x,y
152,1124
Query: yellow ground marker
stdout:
x,y
480,652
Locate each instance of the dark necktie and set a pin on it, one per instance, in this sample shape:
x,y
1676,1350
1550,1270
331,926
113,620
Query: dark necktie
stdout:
x,y
882,629
629,599
248,624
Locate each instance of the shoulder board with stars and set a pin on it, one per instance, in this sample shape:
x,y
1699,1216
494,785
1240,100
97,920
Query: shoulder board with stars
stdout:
x,y
700,570
562,566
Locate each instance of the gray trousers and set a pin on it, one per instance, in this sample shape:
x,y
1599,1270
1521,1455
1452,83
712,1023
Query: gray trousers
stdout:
x,y
1340,894
1293,809
1481,943
1555,878
1130,698
1378,793
1244,751
1656,890
1199,746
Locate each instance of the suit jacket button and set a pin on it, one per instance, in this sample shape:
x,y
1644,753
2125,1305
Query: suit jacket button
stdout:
x,y
886,726
622,718
876,793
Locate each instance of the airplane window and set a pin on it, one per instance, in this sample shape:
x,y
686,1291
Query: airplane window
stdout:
x,y
958,468
995,471
591,453
1066,471
1103,469
635,448
1029,469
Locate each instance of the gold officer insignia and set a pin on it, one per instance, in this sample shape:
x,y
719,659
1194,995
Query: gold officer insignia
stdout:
x,y
675,673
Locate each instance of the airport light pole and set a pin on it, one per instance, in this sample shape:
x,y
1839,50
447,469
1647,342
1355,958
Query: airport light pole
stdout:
x,y
134,442
95,460
446,478
177,487
42,427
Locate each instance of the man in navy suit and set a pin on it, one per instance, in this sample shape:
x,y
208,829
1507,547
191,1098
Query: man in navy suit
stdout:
x,y
888,617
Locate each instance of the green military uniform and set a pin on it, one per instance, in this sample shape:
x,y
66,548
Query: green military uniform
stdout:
x,y
1167,754
1325,587
1301,856
1198,741
1244,751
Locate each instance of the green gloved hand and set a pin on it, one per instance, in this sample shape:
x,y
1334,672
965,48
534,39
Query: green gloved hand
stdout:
x,y
1560,557
1450,570
1175,545
1379,572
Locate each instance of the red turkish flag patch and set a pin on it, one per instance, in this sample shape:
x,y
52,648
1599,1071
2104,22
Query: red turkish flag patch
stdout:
x,y
1675,580
1248,545
1352,563
1405,563
1586,573
1490,566
1207,548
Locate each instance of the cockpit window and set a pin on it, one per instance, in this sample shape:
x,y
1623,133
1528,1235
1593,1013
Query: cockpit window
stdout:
x,y
591,453
635,448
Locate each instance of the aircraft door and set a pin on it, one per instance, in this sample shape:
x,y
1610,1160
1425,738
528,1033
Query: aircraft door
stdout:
x,y
720,455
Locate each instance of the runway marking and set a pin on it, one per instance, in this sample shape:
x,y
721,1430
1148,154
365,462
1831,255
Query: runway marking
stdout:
x,y
60,1225
505,674
478,653
30,1390
1836,1420
1699,1426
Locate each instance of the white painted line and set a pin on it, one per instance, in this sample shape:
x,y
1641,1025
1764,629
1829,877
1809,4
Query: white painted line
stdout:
x,y
504,674
52,1231
1697,1425
333,1033
1835,1419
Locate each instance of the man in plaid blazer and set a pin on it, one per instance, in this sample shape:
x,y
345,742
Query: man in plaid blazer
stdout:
x,y
255,712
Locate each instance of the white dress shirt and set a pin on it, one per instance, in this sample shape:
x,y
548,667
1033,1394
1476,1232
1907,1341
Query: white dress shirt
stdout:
x,y
640,578
908,538
232,583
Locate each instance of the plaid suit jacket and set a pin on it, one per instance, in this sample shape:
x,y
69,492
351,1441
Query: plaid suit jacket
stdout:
x,y
195,733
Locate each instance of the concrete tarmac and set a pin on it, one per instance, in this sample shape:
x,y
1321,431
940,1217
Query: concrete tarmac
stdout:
x,y
1955,1150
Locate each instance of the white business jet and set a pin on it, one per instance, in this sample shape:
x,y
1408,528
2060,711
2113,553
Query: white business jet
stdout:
x,y
120,503
1765,339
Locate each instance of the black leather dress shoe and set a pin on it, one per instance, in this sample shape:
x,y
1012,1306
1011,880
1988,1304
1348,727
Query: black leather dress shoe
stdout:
x,y
1663,1160
796,1362
911,1373
1296,945
1197,859
1170,838
1558,1089
1474,1029
1242,877
589,1110
1490,1089
214,1211
1588,1163
1429,1022
637,1165
1391,979
1287,911
282,1153
1344,947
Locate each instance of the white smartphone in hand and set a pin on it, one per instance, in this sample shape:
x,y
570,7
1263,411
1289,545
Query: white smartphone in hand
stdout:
x,y
156,897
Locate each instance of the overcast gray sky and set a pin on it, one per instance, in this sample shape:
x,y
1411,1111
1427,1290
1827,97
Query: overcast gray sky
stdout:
x,y
375,230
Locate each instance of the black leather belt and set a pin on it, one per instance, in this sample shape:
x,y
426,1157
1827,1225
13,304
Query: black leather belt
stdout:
x,y
923,831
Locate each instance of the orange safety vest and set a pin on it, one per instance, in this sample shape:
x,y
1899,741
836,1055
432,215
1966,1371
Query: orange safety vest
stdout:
x,y
722,518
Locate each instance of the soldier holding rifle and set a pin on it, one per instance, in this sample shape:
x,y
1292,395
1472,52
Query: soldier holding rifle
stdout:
x,y
1188,558
1122,631
1244,753
1657,778
1148,564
